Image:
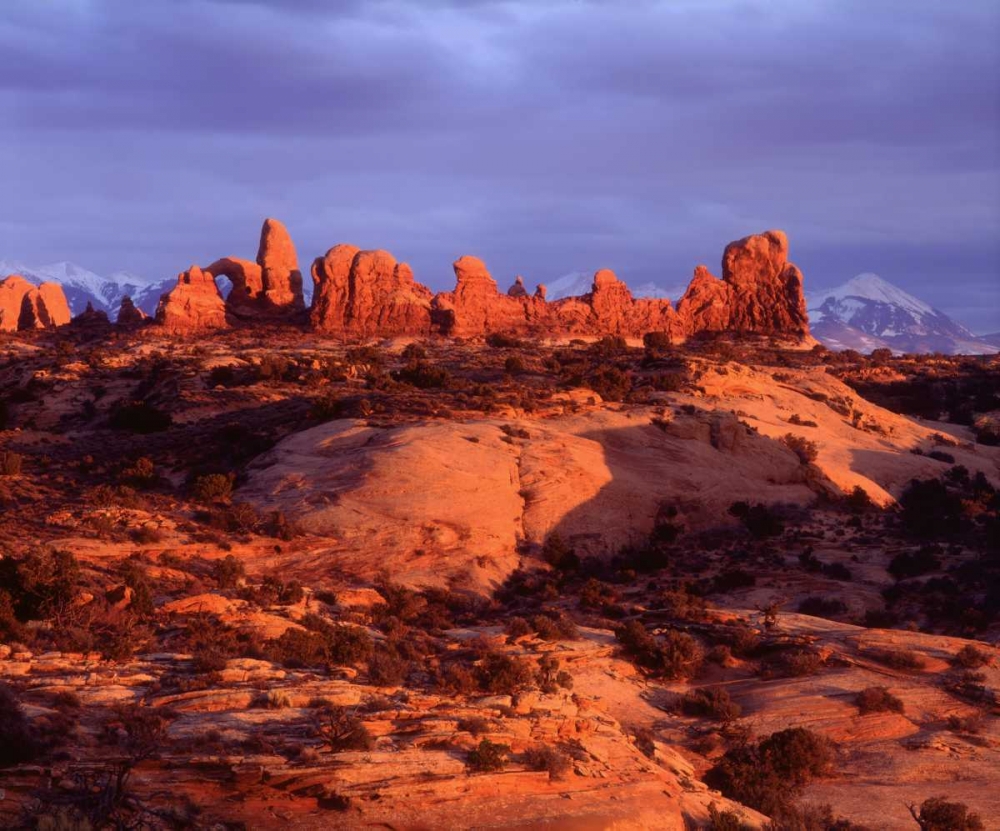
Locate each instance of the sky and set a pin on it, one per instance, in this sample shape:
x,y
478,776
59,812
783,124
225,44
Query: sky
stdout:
x,y
544,137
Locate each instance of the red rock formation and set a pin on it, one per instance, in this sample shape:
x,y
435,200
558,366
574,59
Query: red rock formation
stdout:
x,y
194,304
367,293
130,315
245,296
279,265
13,290
24,306
760,291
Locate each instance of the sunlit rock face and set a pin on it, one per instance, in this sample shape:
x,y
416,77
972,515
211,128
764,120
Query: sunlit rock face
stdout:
x,y
362,294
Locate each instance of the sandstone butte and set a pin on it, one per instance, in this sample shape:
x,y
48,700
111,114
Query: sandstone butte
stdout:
x,y
24,306
362,294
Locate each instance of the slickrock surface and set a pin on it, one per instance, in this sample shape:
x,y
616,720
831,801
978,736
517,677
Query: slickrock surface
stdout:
x,y
292,582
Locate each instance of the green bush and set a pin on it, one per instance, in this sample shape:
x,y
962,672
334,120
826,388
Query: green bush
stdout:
x,y
40,584
504,674
806,450
343,730
970,657
551,759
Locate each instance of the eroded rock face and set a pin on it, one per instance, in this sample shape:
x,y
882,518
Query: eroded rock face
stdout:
x,y
760,291
279,269
194,304
130,315
367,293
24,306
91,319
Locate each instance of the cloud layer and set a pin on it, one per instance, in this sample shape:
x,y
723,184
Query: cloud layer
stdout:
x,y
546,137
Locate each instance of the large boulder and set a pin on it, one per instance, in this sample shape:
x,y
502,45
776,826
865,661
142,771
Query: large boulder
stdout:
x,y
194,304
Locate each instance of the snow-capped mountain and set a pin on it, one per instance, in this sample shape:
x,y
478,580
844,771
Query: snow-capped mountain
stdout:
x,y
868,313
580,282
82,286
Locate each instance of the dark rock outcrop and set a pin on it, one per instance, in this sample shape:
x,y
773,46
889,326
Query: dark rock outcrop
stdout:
x,y
130,315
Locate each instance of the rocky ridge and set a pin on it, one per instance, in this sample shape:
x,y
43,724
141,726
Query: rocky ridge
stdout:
x,y
363,294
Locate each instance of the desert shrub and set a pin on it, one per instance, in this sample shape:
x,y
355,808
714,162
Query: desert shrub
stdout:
x,y
476,725
710,702
40,584
18,742
517,627
673,655
971,657
733,578
937,814
822,606
137,579
555,626
798,421
276,700
514,365
456,679
551,759
768,774
914,563
322,644
213,487
877,700
726,820
609,382
858,500
140,474
10,463
228,572
806,450
793,663
140,417
558,554
609,346
595,594
656,341
966,724
413,352
499,340
342,729
504,674
487,757
897,658
423,375
550,678
930,510
759,520
387,668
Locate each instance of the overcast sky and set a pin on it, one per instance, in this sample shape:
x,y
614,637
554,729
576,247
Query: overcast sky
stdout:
x,y
545,137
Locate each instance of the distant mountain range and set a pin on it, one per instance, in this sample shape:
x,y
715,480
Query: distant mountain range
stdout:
x,y
82,286
580,282
864,313
868,313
